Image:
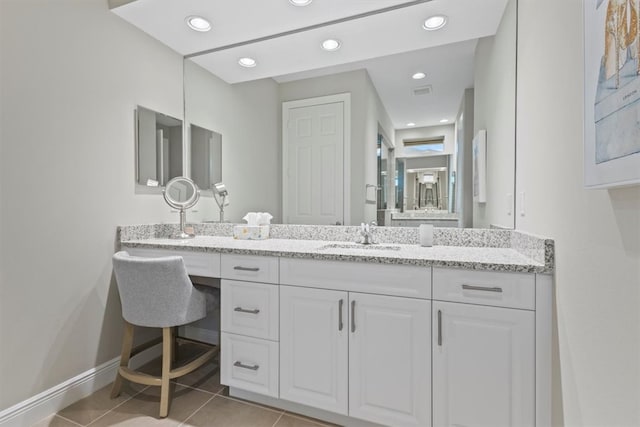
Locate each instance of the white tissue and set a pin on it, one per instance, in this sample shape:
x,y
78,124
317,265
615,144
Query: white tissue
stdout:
x,y
258,218
251,218
264,218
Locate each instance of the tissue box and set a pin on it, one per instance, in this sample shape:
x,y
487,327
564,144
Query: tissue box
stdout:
x,y
251,232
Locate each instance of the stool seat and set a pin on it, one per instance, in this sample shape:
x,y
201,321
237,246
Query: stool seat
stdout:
x,y
157,292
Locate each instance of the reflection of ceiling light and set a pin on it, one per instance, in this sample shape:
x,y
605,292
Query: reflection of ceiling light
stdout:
x,y
418,76
435,22
198,23
300,2
444,121
331,45
247,62
411,124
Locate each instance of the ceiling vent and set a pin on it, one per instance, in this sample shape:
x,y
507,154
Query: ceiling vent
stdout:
x,y
422,90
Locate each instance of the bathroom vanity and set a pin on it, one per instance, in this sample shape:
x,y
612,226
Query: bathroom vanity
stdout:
x,y
391,334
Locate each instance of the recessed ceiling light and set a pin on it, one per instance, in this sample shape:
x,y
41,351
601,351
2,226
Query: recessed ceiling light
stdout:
x,y
418,76
410,124
444,121
331,45
300,2
434,22
198,23
247,62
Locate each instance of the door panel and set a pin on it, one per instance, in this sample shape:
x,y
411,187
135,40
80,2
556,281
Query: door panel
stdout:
x,y
314,351
314,169
389,360
483,366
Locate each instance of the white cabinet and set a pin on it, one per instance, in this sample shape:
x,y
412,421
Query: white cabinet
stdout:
x,y
362,355
389,360
483,366
314,348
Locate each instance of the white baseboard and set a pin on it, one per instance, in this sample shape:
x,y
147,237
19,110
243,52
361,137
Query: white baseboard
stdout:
x,y
34,409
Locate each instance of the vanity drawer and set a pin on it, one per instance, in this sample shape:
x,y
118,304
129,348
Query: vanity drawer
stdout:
x,y
501,289
250,268
250,364
250,309
385,279
198,263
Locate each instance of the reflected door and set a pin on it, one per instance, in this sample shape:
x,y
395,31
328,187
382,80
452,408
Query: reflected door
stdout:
x,y
313,164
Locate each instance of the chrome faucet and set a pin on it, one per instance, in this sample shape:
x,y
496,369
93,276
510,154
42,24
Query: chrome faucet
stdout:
x,y
366,230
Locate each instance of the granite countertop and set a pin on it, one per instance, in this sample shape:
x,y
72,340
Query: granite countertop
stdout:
x,y
475,258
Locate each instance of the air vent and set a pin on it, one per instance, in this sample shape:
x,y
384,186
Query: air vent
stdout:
x,y
422,90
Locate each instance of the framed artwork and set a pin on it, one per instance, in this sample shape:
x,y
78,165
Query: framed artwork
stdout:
x,y
480,167
612,93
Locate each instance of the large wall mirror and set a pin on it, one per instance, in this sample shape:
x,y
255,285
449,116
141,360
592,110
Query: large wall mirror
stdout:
x,y
407,152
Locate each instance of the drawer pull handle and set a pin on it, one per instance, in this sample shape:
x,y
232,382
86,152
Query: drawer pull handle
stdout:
x,y
244,310
440,328
239,364
353,316
481,288
241,268
340,304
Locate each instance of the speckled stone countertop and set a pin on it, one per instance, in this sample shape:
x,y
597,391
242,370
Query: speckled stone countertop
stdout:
x,y
495,250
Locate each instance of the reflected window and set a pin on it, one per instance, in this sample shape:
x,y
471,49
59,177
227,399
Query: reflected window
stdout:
x,y
430,145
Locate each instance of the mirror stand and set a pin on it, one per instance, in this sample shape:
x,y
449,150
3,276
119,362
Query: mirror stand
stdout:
x,y
182,234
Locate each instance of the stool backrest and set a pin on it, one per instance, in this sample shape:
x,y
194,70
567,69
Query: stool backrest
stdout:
x,y
156,292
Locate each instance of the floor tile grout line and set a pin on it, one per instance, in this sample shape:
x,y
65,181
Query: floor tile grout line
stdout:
x,y
278,420
117,406
67,419
194,412
246,402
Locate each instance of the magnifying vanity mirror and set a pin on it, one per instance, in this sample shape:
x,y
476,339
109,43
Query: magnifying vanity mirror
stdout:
x,y
158,148
181,193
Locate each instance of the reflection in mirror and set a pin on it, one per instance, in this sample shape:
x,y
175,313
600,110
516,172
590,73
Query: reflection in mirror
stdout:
x,y
158,148
206,157
423,172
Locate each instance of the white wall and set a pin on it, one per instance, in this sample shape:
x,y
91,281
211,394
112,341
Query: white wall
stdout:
x,y
67,169
494,98
67,172
597,232
246,115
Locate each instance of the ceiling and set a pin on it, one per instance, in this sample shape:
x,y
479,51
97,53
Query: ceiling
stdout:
x,y
391,45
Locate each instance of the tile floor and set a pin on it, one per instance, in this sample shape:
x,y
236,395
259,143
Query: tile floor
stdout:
x,y
198,400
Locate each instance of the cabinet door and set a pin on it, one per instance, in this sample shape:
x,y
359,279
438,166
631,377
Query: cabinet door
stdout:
x,y
390,360
314,348
483,366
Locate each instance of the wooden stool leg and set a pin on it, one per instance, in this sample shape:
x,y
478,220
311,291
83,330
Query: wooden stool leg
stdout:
x,y
167,344
125,355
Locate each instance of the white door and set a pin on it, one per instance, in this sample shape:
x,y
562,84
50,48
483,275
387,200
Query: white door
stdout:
x,y
314,348
313,148
390,360
483,366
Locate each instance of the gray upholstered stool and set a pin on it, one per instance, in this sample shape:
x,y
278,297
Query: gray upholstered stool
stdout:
x,y
156,292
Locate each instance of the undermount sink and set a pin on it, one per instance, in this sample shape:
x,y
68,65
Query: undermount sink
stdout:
x,y
359,246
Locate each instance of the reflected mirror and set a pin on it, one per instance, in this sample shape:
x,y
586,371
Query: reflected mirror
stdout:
x,y
407,156
158,148
206,157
